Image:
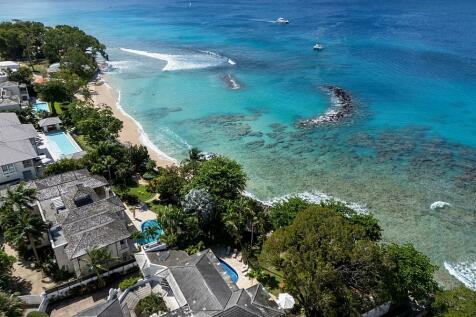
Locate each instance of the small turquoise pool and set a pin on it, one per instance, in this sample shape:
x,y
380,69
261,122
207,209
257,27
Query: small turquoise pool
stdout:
x,y
229,270
62,143
41,106
150,224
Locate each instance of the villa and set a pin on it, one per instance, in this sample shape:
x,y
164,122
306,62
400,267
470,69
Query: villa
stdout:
x,y
20,157
13,96
191,285
83,213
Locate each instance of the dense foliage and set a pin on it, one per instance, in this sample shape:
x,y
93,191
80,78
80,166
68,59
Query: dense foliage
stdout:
x,y
95,123
37,314
128,282
10,306
334,267
34,41
63,166
20,227
283,213
458,302
152,304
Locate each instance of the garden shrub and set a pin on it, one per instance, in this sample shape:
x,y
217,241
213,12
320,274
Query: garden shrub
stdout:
x,y
128,282
37,314
150,305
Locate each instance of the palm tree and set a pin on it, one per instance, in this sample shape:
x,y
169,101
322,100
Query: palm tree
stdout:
x,y
98,260
28,229
151,232
20,198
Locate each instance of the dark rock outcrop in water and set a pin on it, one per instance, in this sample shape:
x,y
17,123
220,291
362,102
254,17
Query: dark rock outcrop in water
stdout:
x,y
342,107
231,82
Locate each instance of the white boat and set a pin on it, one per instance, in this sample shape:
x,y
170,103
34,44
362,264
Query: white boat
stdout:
x,y
281,21
317,47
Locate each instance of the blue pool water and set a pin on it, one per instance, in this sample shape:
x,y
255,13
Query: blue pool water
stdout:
x,y
409,65
229,270
148,224
63,143
41,106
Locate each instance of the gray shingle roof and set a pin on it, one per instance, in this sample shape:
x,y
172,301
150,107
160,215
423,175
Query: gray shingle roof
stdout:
x,y
8,119
110,308
16,140
49,121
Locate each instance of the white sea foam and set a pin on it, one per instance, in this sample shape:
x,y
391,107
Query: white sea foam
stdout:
x,y
197,60
144,138
313,197
118,67
464,271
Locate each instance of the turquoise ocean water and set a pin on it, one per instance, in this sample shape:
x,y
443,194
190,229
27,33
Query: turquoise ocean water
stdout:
x,y
410,68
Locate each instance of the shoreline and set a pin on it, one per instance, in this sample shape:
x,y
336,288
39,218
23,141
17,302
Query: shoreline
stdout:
x,y
131,132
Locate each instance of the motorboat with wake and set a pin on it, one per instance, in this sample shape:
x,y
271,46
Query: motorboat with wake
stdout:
x,y
281,21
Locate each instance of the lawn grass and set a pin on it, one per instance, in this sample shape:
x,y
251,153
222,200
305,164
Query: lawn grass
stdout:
x,y
141,192
82,142
57,107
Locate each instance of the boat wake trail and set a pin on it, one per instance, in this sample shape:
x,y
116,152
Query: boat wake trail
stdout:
x,y
193,60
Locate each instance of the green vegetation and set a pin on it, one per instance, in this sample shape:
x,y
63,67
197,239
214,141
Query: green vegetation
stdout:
x,y
20,227
168,184
152,304
334,265
23,76
37,314
63,166
458,302
138,191
283,213
97,261
128,282
10,306
6,267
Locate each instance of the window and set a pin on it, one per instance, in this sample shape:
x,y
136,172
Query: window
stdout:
x,y
123,244
27,163
8,169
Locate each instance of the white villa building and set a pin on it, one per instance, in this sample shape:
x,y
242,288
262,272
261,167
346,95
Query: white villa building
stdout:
x,y
19,155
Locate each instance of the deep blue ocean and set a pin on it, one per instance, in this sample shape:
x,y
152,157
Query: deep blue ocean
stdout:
x,y
410,67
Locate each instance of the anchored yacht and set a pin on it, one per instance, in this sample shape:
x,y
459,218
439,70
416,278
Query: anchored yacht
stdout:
x,y
318,47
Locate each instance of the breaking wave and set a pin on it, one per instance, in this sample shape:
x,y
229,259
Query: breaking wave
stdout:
x,y
312,197
465,272
194,60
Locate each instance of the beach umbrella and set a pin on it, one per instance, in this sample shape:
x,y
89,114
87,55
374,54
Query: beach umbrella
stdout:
x,y
286,301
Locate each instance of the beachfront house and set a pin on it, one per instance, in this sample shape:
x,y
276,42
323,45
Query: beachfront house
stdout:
x,y
13,96
19,156
82,213
5,67
190,285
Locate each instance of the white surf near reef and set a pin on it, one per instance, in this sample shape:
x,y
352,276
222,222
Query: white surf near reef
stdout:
x,y
312,197
194,60
465,272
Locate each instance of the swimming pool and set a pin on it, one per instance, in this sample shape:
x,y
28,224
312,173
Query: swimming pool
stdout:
x,y
229,270
41,106
150,224
62,144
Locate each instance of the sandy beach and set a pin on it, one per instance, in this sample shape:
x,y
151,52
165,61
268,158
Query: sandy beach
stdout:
x,y
131,131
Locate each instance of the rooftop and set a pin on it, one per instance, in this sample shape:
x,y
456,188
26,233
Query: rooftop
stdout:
x,y
16,140
199,282
49,121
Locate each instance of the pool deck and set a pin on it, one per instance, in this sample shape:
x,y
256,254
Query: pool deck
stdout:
x,y
236,263
139,216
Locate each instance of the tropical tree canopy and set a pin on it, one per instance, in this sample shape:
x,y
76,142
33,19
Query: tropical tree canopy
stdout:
x,y
331,266
458,302
223,178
